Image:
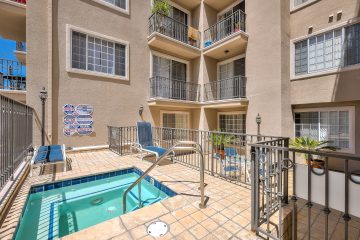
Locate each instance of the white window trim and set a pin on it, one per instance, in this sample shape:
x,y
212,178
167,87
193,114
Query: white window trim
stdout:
x,y
228,113
227,8
162,55
329,71
174,112
178,7
228,61
352,134
294,8
69,68
109,5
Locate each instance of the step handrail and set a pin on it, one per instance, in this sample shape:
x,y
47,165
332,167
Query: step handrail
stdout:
x,y
181,145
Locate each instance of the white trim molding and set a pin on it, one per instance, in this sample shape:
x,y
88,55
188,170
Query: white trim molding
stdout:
x,y
69,68
112,6
350,109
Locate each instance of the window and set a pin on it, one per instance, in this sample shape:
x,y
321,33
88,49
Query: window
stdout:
x,y
232,122
175,120
333,126
117,3
324,51
99,55
299,2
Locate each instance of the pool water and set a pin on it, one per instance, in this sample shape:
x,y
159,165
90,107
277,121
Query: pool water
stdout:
x,y
56,210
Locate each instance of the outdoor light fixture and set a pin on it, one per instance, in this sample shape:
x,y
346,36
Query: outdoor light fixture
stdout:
x,y
258,122
258,119
43,97
141,110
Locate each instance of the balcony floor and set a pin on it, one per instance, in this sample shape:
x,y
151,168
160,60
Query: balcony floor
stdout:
x,y
227,215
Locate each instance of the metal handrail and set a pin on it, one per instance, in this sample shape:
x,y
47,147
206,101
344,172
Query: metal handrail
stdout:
x,y
191,146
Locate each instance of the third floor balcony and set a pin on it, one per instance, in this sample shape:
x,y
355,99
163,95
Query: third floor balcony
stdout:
x,y
20,52
170,35
226,38
13,19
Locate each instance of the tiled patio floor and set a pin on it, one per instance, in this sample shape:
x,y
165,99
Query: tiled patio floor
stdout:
x,y
226,216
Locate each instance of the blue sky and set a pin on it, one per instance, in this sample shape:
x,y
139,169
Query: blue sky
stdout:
x,y
7,48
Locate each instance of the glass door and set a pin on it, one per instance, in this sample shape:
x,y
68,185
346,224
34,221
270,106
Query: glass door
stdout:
x,y
239,73
178,75
179,25
161,77
226,72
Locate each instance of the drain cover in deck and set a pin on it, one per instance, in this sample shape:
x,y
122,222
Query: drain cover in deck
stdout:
x,y
157,229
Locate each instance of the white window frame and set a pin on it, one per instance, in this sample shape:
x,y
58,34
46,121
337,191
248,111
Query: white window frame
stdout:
x,y
109,5
162,55
229,113
329,71
69,68
352,134
294,8
228,61
187,114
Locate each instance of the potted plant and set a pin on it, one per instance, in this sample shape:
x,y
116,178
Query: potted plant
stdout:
x,y
237,27
306,143
220,141
161,6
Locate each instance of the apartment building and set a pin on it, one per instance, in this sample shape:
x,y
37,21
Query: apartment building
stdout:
x,y
207,65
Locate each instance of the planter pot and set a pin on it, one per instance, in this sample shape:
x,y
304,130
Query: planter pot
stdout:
x,y
221,152
316,163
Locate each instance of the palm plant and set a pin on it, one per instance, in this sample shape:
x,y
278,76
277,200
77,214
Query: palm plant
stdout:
x,y
161,6
309,144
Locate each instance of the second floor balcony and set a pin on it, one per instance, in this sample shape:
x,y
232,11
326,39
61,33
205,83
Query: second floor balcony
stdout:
x,y
12,75
227,37
226,89
170,89
173,36
20,52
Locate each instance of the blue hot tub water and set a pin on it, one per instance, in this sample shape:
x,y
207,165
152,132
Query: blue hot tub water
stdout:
x,y
58,209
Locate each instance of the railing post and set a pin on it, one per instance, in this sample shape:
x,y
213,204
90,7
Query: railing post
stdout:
x,y
285,199
254,185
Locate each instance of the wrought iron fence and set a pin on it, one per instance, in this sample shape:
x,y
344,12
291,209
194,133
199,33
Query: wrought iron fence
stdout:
x,y
313,187
234,87
161,87
16,121
226,155
174,29
12,75
229,25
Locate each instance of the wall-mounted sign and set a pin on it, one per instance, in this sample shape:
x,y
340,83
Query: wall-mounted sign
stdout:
x,y
69,119
69,109
78,119
70,130
84,120
85,129
84,109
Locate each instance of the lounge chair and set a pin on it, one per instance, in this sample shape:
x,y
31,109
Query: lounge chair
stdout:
x,y
48,155
145,141
232,156
226,167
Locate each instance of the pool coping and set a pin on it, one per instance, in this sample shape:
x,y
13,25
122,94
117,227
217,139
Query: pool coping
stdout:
x,y
35,188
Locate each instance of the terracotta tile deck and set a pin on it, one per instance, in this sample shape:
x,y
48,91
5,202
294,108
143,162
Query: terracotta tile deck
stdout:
x,y
226,216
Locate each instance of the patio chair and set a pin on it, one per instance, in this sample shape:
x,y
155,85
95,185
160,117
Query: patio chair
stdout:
x,y
48,155
145,141
232,157
226,167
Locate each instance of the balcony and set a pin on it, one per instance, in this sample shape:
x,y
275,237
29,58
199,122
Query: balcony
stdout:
x,y
227,38
20,52
172,36
169,92
13,79
218,5
13,19
230,92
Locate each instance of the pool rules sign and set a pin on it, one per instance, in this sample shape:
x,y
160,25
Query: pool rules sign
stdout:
x,y
78,119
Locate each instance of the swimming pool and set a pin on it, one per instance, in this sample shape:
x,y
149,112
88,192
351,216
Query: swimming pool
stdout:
x,y
61,208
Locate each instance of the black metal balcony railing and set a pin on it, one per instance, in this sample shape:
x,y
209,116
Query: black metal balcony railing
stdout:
x,y
311,186
21,46
222,151
231,88
174,29
12,75
161,87
233,23
15,138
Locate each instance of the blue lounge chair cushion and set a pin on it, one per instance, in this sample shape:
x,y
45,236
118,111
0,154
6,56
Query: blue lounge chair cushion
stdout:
x,y
230,168
49,148
49,156
230,152
144,134
160,151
